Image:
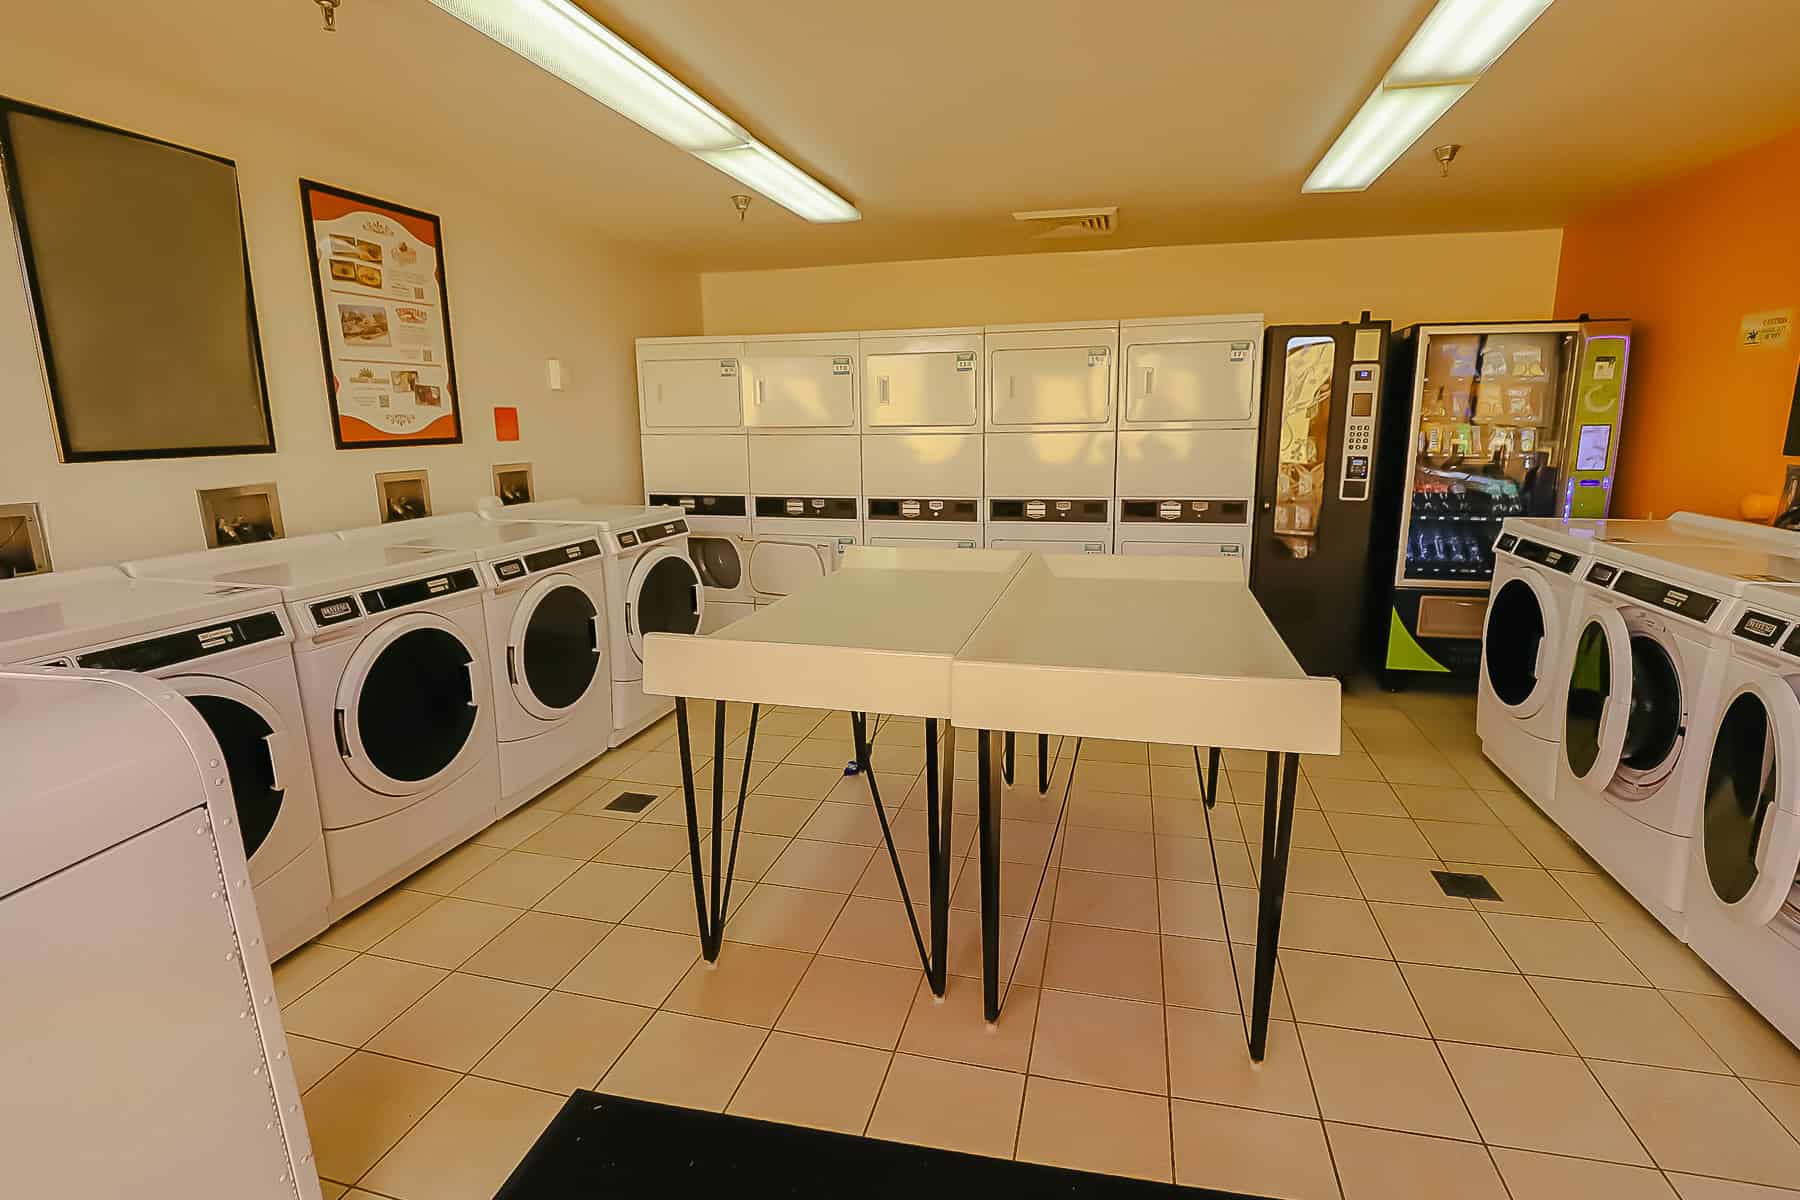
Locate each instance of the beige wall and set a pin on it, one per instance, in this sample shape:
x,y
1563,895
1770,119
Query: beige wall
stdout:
x,y
1438,277
521,290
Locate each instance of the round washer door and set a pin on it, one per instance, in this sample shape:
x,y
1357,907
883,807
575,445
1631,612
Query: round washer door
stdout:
x,y
1653,724
255,747
553,652
406,706
662,596
1749,833
1597,698
1515,643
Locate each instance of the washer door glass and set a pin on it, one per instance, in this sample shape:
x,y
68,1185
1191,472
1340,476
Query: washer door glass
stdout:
x,y
665,599
1590,684
416,707
717,560
243,737
1515,634
1653,724
1741,779
559,655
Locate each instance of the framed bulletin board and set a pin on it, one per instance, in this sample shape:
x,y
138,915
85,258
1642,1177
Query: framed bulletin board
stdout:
x,y
384,319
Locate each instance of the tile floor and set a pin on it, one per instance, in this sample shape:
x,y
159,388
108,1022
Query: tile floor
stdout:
x,y
1555,1043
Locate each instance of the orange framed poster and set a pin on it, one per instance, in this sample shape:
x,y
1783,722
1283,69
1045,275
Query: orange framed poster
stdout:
x,y
384,319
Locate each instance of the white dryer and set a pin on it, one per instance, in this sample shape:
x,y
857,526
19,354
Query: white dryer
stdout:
x,y
544,596
707,476
227,650
921,443
807,500
390,646
651,587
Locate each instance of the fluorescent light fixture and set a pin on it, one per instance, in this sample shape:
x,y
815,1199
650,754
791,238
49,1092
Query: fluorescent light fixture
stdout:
x,y
565,41
1457,42
1389,122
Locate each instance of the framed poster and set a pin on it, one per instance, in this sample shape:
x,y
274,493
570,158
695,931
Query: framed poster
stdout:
x,y
384,319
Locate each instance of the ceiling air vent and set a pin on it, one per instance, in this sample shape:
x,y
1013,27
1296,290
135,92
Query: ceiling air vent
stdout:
x,y
1071,222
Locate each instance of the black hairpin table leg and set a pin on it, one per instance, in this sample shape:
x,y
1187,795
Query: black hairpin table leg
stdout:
x,y
1043,763
712,908
987,793
1006,764
1278,833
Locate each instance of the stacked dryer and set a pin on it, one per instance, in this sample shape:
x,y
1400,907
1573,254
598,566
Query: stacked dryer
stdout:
x,y
1188,420
921,443
1051,436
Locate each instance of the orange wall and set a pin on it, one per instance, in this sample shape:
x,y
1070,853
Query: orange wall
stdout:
x,y
1687,259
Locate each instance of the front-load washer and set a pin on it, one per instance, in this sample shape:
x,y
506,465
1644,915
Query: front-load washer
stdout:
x,y
1641,668
807,509
1741,902
544,597
651,587
227,650
390,645
707,476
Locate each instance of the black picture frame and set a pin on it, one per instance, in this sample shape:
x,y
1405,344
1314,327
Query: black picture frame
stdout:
x,y
308,187
46,352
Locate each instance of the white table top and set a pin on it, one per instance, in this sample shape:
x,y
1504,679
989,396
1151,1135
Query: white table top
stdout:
x,y
1163,648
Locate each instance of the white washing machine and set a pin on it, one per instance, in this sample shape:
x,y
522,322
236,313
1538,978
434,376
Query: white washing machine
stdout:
x,y
806,509
1741,903
707,476
921,443
1189,412
651,587
228,651
544,597
390,645
1641,668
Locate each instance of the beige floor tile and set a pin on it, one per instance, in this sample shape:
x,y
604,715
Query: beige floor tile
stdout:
x,y
953,1028
1510,805
1183,816
1312,829
573,835
1401,880
821,866
356,1113
1604,901
1396,836
457,1022
508,832
1094,1129
566,1042
568,795
780,816
1524,891
454,869
1192,910
1025,841
1024,888
1547,1102
1319,768
965,947
1417,768
1444,804
1455,841
1443,937
1110,810
306,968
1663,960
876,931
601,892
447,934
1630,1024
786,918
818,1084
1177,781
1115,901
1553,1177
1383,1080
1749,1045
1129,778
313,1060
983,1120
1259,1153
518,879
1209,1060
846,1001
1552,848
748,984
1703,1124
466,1146
1359,993
1368,797
1782,1099
1248,787
376,919
656,847
355,1003
687,1061
877,878
1101,1040
794,779
337,1191
1487,1007
633,965
538,949
1329,924
1185,858
1105,962
1321,873
1565,949
1698,1187
669,906
1198,974
847,824
1379,1164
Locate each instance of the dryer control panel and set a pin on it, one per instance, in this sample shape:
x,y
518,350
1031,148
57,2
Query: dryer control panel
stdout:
x,y
1359,431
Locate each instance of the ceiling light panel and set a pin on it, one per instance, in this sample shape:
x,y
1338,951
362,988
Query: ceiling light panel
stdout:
x,y
1461,39
1388,122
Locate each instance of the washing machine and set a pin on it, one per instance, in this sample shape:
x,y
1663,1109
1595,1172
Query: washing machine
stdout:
x,y
1641,669
921,438
707,476
651,587
228,651
806,509
544,598
390,646
1741,903
1189,413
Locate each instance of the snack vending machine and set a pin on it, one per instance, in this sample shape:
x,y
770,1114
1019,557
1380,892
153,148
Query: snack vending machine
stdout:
x,y
1501,420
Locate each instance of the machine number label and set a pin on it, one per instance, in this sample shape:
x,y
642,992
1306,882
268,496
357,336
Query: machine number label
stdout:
x,y
965,362
728,368
512,568
331,612
1602,574
1240,352
1096,355
840,366
1758,628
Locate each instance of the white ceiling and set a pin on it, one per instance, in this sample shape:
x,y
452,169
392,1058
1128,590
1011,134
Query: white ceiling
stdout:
x,y
1198,118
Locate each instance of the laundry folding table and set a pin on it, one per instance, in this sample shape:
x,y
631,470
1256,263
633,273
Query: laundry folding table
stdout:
x,y
1159,649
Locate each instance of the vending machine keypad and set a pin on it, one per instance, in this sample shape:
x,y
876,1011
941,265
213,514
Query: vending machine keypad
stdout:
x,y
1359,431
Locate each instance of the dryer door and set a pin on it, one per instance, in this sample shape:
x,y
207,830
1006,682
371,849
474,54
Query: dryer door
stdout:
x,y
553,650
662,596
407,706
778,568
257,753
1749,832
1597,697
717,559
1517,645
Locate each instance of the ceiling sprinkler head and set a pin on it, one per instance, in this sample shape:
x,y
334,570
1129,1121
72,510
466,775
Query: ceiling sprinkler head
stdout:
x,y
329,9
1445,155
741,202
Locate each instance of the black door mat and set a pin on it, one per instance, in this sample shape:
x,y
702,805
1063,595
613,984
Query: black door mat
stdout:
x,y
607,1146
631,802
1466,885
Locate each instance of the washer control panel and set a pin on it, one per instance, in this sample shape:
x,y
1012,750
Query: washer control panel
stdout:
x,y
1359,431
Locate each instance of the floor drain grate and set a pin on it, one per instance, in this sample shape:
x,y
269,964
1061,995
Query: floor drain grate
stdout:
x,y
1465,885
633,802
